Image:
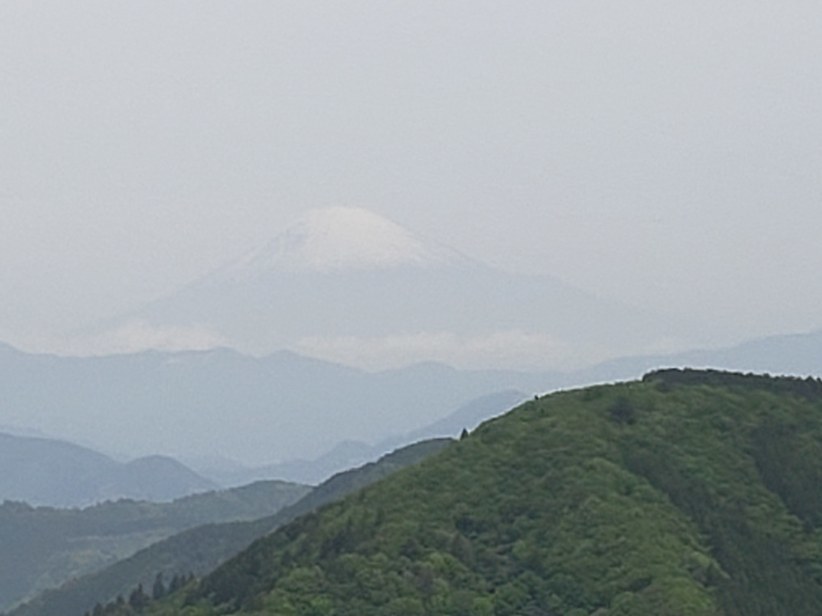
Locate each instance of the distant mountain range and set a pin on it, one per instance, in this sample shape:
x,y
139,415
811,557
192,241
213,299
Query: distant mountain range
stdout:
x,y
43,471
285,407
220,403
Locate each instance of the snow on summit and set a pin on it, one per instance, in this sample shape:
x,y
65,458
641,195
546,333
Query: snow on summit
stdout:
x,y
345,238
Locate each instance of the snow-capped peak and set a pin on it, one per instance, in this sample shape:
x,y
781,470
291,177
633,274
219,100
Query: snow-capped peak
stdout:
x,y
345,238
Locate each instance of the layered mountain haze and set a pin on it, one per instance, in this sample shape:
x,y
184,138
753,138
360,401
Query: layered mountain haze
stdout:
x,y
50,472
287,408
347,285
257,411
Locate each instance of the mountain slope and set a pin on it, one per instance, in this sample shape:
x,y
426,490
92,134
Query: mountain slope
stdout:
x,y
43,547
43,471
692,493
201,549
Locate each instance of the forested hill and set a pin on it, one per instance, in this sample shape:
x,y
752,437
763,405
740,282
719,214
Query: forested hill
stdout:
x,y
199,550
686,493
42,547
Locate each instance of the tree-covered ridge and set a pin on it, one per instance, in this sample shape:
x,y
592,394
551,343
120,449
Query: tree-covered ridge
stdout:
x,y
808,387
654,497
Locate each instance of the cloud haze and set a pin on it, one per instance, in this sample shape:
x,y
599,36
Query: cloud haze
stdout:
x,y
521,349
135,335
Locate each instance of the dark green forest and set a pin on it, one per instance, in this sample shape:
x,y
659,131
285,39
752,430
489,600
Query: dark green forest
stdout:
x,y
687,493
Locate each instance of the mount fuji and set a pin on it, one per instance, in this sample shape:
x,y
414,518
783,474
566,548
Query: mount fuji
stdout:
x,y
337,239
347,285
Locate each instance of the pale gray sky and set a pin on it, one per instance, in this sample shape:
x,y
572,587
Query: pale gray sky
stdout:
x,y
664,153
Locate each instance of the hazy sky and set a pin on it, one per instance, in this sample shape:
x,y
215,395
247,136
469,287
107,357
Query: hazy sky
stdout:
x,y
662,153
